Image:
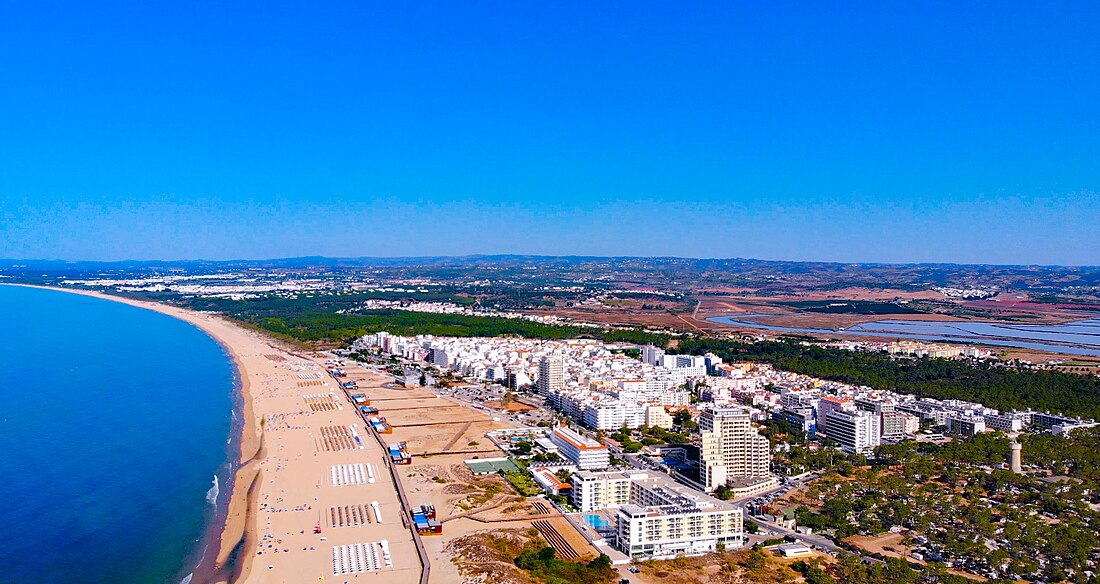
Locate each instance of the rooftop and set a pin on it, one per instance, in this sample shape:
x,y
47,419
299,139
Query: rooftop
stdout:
x,y
577,440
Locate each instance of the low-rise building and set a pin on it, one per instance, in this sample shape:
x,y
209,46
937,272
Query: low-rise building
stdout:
x,y
1011,422
965,425
1059,425
657,417
547,478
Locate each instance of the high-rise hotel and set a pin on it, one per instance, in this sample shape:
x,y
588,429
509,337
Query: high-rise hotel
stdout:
x,y
731,448
551,375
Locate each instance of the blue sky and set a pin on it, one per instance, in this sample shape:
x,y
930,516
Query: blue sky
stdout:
x,y
840,132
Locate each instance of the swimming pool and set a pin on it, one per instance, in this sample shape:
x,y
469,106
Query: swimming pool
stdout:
x,y
596,521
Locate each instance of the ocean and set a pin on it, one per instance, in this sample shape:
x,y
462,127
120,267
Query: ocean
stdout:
x,y
115,422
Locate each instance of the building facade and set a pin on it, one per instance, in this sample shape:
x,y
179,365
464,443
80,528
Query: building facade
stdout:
x,y
898,424
583,452
830,404
857,431
551,375
657,417
657,518
731,447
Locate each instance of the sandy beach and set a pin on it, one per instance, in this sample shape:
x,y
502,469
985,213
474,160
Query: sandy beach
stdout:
x,y
313,499
282,492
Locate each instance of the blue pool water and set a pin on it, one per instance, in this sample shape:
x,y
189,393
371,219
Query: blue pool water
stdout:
x,y
596,521
115,421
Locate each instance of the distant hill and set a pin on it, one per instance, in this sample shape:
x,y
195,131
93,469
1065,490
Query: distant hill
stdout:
x,y
665,272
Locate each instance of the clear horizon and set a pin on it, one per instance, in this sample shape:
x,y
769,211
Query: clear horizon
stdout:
x,y
860,133
546,256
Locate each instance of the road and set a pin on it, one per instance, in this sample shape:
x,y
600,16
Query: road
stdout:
x,y
818,541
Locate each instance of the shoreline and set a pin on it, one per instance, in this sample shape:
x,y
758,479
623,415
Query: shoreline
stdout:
x,y
233,533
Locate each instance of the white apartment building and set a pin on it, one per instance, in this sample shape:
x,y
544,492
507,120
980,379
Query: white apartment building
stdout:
x,y
668,531
583,452
857,431
694,361
551,376
658,518
731,447
652,355
965,425
1006,422
611,414
657,417
796,399
593,491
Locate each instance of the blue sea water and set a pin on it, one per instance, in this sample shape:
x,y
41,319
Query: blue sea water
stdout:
x,y
115,420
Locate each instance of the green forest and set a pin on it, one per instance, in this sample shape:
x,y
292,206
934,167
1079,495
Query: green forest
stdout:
x,y
275,306
343,328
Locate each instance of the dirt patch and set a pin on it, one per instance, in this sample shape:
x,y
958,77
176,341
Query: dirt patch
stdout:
x,y
891,545
487,556
726,568
887,544
512,406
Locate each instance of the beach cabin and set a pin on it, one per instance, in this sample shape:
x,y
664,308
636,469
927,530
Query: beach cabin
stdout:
x,y
424,519
399,453
380,426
